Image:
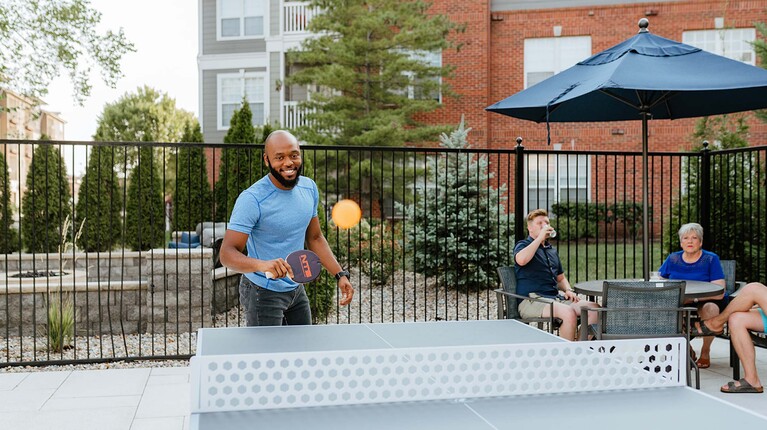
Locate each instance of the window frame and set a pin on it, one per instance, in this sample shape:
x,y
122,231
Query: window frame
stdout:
x,y
558,62
242,76
691,37
241,17
560,165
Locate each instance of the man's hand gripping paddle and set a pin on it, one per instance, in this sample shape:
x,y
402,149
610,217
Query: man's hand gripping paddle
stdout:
x,y
305,264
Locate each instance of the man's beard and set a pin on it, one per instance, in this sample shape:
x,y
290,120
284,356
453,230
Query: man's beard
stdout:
x,y
287,183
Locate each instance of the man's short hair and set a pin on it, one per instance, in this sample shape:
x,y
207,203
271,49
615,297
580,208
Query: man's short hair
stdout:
x,y
536,213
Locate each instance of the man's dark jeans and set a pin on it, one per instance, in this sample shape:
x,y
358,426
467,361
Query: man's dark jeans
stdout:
x,y
265,307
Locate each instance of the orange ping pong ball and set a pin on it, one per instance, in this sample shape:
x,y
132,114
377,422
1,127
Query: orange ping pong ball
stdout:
x,y
346,213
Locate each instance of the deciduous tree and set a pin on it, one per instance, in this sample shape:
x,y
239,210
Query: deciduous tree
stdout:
x,y
40,39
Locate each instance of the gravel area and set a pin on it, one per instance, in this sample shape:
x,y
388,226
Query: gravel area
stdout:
x,y
409,297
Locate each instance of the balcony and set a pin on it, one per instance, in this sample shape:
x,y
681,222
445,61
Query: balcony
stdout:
x,y
296,16
293,116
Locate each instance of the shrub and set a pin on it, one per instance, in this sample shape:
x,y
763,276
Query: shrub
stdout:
x,y
145,217
374,248
575,221
47,201
323,289
99,203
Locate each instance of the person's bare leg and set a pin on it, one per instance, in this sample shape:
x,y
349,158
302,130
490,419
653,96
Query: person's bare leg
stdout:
x,y
740,323
706,312
748,296
593,316
568,317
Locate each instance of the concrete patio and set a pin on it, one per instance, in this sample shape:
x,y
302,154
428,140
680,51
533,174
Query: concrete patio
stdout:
x,y
158,398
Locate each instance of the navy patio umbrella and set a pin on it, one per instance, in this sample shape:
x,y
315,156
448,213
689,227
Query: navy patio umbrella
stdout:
x,y
645,77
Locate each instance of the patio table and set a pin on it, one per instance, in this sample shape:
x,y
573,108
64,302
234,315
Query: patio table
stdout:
x,y
693,290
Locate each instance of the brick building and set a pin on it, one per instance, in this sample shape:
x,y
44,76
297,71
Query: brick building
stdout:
x,y
507,46
511,44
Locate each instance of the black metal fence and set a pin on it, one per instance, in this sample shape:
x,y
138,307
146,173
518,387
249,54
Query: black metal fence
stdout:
x,y
96,269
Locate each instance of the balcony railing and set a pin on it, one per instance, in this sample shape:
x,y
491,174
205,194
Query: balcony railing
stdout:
x,y
296,16
293,116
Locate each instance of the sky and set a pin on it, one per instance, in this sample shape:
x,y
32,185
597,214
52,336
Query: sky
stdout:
x,y
164,34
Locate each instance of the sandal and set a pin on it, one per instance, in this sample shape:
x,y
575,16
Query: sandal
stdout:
x,y
701,329
703,363
744,387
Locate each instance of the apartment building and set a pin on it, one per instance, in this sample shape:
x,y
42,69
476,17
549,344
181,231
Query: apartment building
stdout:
x,y
21,118
508,46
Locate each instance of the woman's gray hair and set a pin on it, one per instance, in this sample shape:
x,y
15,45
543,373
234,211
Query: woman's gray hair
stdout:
x,y
691,227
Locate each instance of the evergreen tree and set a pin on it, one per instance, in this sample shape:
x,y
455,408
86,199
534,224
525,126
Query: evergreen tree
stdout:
x,y
145,218
192,196
460,227
9,239
47,202
99,203
240,167
370,59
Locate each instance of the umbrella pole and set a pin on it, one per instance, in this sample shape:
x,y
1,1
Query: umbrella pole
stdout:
x,y
645,217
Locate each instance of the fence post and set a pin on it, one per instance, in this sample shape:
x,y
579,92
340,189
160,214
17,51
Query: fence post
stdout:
x,y
705,195
519,192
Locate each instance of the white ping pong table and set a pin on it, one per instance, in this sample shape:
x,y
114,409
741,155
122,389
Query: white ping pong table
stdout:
x,y
445,375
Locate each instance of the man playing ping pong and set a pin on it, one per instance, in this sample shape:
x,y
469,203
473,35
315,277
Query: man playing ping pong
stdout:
x,y
272,218
540,275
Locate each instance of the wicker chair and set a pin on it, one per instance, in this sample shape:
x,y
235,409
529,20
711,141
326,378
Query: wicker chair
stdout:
x,y
641,309
507,302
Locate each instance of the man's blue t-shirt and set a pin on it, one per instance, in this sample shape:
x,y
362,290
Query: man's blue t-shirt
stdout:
x,y
539,275
275,221
707,268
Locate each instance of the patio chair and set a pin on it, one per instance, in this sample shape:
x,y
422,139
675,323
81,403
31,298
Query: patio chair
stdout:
x,y
507,302
641,309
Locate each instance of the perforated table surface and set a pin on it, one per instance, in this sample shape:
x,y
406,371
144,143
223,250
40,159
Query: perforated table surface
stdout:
x,y
438,346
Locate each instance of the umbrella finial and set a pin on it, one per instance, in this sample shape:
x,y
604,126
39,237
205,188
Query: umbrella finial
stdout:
x,y
643,24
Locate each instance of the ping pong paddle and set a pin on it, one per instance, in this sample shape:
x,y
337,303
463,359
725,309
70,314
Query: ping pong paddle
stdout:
x,y
305,264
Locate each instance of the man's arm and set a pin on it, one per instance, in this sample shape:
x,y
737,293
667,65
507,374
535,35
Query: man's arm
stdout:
x,y
231,256
564,285
316,242
524,255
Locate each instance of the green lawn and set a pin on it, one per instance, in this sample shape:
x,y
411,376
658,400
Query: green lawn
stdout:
x,y
584,262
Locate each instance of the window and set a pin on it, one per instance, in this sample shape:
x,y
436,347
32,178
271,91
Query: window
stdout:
x,y
548,56
733,43
241,18
231,90
430,91
553,178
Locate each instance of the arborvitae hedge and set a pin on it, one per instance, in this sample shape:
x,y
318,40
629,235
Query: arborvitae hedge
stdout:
x,y
47,202
99,203
145,218
239,166
9,237
192,197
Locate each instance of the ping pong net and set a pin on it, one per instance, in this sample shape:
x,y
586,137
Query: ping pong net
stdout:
x,y
326,378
